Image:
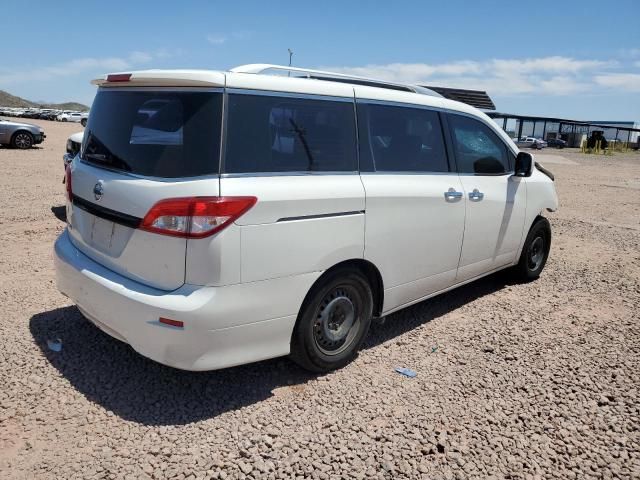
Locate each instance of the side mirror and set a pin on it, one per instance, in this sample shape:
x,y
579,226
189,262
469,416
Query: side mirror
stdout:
x,y
524,165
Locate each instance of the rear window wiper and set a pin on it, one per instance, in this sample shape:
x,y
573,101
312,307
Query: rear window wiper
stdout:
x,y
109,159
96,156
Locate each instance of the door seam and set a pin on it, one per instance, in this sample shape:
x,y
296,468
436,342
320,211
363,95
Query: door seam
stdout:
x,y
464,224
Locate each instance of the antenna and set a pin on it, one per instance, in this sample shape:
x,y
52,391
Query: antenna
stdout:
x,y
290,55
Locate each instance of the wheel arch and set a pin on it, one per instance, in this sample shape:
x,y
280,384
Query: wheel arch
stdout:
x,y
539,216
367,269
22,130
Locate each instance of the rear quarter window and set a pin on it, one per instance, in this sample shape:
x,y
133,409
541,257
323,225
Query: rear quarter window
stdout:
x,y
401,139
270,133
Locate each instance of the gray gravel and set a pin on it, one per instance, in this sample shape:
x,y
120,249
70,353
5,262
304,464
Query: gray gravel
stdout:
x,y
514,381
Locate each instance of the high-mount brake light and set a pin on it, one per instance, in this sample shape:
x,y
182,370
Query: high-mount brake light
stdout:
x,y
119,77
195,217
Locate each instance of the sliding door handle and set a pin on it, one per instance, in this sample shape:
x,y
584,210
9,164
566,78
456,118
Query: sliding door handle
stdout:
x,y
476,195
452,194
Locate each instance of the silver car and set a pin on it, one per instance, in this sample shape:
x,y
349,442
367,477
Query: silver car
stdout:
x,y
530,142
20,135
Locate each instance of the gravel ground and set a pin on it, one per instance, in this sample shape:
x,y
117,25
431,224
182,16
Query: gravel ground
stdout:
x,y
514,381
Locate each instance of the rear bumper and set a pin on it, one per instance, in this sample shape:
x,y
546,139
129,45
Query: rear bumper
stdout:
x,y
223,326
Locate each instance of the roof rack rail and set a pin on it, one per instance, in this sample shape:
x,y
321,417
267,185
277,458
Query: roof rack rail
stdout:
x,y
261,68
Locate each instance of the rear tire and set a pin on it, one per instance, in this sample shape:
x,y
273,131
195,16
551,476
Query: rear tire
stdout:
x,y
535,251
83,122
333,321
22,140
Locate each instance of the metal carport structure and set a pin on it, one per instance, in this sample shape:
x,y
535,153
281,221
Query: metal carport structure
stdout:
x,y
564,126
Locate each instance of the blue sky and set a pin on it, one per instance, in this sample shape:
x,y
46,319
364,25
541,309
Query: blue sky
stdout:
x,y
574,59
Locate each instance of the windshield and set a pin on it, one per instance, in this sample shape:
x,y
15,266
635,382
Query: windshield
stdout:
x,y
155,133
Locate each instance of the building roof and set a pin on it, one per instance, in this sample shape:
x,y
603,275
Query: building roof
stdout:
x,y
581,123
607,122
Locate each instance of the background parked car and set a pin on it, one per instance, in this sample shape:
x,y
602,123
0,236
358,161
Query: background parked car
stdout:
x,y
31,113
530,142
71,117
73,147
20,135
556,142
47,114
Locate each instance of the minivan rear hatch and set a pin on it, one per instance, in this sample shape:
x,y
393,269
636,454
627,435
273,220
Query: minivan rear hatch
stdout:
x,y
142,145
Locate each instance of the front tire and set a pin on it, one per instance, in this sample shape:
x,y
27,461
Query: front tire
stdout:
x,y
22,140
333,321
83,122
535,251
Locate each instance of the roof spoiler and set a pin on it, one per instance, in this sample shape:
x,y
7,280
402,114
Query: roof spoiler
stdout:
x,y
161,78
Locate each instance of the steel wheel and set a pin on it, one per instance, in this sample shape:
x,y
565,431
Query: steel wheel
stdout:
x,y
536,253
337,321
22,140
333,321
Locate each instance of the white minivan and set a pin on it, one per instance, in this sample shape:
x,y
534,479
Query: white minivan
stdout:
x,y
220,218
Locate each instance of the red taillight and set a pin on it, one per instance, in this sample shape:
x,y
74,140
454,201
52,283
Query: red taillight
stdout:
x,y
119,77
195,217
67,182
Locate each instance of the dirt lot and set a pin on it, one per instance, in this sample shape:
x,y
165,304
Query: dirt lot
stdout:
x,y
514,381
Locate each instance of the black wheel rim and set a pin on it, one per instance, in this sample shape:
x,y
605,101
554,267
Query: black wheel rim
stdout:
x,y
337,320
23,140
535,255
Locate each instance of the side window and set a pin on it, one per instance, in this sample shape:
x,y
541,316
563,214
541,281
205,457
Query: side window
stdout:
x,y
268,133
478,148
400,139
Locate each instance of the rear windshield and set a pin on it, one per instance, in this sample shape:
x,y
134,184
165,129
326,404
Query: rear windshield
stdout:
x,y
155,133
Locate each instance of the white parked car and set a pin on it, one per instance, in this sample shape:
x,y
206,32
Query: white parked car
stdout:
x,y
229,217
531,142
74,142
73,117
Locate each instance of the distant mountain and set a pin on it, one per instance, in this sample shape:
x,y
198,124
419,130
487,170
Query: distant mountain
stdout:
x,y
8,100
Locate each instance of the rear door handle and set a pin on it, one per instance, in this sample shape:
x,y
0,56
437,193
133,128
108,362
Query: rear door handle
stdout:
x,y
452,194
476,195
